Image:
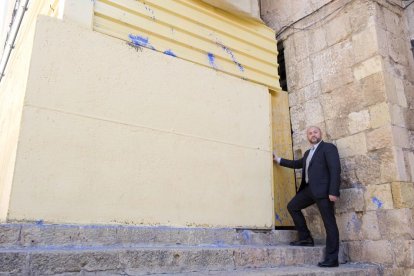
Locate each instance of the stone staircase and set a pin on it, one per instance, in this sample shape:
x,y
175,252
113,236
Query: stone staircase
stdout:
x,y
40,249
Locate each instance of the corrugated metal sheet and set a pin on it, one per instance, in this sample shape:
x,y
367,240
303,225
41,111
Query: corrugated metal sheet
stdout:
x,y
194,31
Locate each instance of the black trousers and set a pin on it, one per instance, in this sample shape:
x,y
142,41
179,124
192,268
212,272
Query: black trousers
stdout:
x,y
303,199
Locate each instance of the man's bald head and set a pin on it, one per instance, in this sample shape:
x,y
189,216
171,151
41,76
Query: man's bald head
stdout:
x,y
314,134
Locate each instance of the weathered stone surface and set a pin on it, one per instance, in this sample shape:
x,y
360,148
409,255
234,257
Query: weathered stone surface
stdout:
x,y
365,43
299,74
368,67
314,113
373,89
351,200
9,235
54,262
379,115
404,252
403,194
379,138
297,118
394,86
396,223
370,227
338,29
343,77
317,40
410,162
12,263
337,128
371,251
295,256
397,115
378,197
358,121
332,60
396,48
352,145
401,166
342,101
349,225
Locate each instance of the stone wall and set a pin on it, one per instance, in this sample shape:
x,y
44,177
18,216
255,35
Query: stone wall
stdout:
x,y
350,71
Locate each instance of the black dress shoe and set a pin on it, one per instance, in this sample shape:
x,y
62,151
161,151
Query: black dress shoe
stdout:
x,y
305,242
328,263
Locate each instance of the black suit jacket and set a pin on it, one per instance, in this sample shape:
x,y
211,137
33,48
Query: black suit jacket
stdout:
x,y
324,170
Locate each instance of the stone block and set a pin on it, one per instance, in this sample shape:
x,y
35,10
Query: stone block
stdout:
x,y
352,145
337,128
380,115
378,197
351,200
370,227
342,101
338,29
379,138
409,117
365,43
299,74
317,40
63,261
392,21
396,223
397,115
394,86
358,121
332,60
9,235
400,137
403,194
341,78
373,89
397,49
12,263
410,162
313,112
368,67
312,91
371,251
349,225
402,170
404,252
297,117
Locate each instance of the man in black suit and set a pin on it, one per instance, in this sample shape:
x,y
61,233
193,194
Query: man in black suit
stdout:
x,y
321,171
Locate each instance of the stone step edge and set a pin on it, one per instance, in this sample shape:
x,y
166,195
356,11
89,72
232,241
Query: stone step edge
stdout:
x,y
353,267
157,247
34,234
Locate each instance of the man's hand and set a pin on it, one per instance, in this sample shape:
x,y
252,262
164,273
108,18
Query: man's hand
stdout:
x,y
275,157
333,198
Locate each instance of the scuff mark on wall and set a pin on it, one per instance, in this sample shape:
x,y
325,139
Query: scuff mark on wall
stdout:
x,y
212,60
138,40
233,58
170,53
377,202
278,218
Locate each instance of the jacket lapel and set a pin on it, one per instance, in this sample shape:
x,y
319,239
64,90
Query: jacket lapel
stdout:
x,y
316,152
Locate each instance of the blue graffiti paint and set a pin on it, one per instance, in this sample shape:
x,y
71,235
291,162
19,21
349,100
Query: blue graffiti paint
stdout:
x,y
277,217
377,202
138,40
233,58
170,53
39,222
246,235
212,60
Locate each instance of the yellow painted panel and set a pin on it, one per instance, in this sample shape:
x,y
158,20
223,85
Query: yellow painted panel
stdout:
x,y
194,31
122,31
283,178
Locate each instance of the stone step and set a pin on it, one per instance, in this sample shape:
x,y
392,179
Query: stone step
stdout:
x,y
351,269
39,234
153,259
